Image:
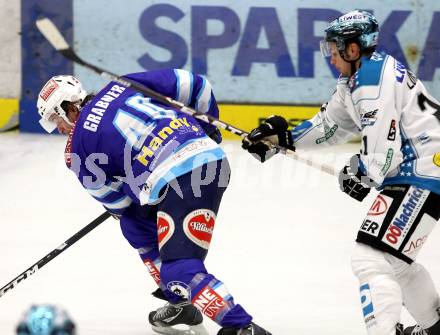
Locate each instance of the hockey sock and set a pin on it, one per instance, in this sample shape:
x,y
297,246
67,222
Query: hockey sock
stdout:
x,y
151,259
188,278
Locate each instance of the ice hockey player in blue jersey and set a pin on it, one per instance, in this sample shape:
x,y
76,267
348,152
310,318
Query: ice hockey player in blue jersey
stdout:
x,y
163,174
383,102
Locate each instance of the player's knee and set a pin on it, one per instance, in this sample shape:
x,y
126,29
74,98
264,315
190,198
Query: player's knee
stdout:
x,y
367,261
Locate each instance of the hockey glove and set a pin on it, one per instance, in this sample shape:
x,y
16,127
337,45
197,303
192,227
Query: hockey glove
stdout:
x,y
212,131
273,130
353,182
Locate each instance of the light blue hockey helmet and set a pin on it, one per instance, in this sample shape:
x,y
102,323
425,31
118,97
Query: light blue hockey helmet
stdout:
x,y
46,320
357,26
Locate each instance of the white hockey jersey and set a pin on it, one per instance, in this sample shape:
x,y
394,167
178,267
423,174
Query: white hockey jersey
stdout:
x,y
398,120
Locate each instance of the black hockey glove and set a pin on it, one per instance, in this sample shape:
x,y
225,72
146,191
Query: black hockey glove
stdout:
x,y
353,182
212,131
273,130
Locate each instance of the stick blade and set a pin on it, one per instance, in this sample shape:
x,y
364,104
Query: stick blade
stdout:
x,y
52,34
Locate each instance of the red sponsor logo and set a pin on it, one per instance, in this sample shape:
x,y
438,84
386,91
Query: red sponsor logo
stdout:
x,y
199,226
153,270
48,89
414,245
379,206
393,234
209,302
165,228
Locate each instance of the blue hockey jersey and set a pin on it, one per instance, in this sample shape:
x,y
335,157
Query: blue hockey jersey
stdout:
x,y
126,147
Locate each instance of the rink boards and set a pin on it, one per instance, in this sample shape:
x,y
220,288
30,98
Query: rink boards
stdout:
x,y
264,53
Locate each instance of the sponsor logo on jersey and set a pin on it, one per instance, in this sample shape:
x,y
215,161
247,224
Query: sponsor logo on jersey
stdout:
x,y
380,205
436,159
191,147
199,226
392,131
405,217
180,288
400,72
209,302
419,236
414,244
162,133
368,118
367,305
165,228
388,161
412,79
423,139
48,89
328,133
153,270
376,215
370,227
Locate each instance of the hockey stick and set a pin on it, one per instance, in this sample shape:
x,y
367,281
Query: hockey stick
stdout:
x,y
53,35
54,253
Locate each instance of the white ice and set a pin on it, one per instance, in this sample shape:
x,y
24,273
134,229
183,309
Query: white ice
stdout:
x,y
282,245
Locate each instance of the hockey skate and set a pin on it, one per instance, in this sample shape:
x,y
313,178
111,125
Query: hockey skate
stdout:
x,y
177,319
252,329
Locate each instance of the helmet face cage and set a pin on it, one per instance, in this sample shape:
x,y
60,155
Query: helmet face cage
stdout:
x,y
357,26
57,90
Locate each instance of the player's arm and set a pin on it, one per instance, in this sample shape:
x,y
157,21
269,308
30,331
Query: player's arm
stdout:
x,y
196,92
102,186
330,126
111,196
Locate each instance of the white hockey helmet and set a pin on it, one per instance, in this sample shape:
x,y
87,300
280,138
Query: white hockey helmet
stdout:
x,y
58,89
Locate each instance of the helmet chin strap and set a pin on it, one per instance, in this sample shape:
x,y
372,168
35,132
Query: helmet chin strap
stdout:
x,y
352,62
67,120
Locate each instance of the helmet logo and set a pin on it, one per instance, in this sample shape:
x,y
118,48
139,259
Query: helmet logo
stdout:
x,y
353,17
48,89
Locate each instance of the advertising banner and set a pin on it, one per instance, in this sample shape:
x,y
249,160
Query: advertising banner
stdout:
x,y
251,51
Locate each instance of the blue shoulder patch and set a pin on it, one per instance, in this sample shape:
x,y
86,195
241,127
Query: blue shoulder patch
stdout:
x,y
300,130
369,73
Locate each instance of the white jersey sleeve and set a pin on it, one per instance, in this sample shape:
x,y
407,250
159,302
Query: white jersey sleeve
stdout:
x,y
332,125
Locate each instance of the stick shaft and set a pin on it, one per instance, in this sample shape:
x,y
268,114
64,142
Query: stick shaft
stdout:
x,y
53,35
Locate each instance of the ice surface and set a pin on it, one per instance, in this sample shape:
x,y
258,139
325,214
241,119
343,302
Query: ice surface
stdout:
x,y
282,245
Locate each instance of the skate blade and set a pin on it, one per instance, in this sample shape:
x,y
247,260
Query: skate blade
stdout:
x,y
179,330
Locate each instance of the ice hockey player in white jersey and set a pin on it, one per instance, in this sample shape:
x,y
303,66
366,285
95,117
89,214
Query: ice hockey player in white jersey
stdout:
x,y
381,100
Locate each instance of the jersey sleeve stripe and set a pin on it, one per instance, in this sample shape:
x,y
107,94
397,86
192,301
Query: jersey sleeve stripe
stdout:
x,y
301,130
105,190
203,99
184,86
121,203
